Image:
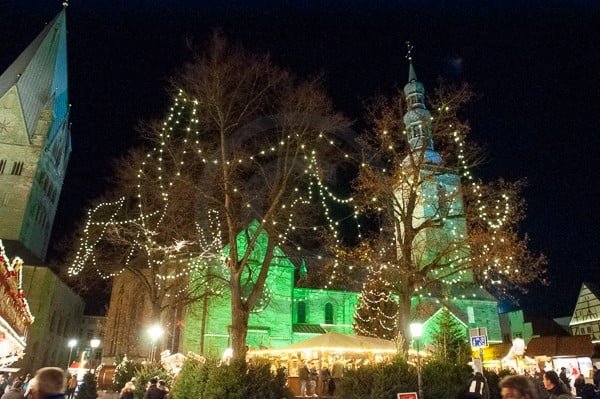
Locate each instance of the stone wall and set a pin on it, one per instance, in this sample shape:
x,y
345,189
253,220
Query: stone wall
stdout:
x,y
58,313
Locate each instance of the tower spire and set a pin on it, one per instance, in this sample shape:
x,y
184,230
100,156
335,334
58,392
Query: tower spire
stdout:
x,y
411,70
417,119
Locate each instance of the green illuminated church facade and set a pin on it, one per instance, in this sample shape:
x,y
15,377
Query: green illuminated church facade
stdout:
x,y
289,314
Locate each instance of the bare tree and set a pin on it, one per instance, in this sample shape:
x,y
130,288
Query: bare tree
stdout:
x,y
437,226
238,163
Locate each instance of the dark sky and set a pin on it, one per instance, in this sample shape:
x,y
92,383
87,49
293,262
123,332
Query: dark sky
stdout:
x,y
535,68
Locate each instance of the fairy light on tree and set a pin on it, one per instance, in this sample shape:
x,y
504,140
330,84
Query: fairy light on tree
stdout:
x,y
438,227
239,162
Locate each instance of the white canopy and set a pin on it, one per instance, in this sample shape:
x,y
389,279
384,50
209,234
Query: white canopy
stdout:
x,y
335,342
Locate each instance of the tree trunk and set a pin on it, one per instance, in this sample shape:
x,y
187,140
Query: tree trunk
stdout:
x,y
239,322
203,323
404,320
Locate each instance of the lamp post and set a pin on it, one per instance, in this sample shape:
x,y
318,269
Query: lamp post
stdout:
x,y
71,344
94,344
416,330
155,332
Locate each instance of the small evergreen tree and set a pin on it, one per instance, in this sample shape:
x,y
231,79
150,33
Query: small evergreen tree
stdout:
x,y
377,312
450,339
88,389
378,381
445,380
191,381
146,372
124,371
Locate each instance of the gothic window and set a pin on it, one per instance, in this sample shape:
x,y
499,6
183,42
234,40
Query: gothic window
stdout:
x,y
2,165
329,313
301,312
17,169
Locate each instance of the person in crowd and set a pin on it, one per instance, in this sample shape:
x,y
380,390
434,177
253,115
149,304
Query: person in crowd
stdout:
x,y
596,377
337,372
127,391
26,381
517,387
48,383
153,391
564,378
555,387
303,375
312,378
325,377
15,391
579,384
71,387
477,387
3,383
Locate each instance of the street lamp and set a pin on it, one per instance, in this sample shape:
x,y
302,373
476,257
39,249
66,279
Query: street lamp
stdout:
x,y
155,332
416,330
71,344
94,343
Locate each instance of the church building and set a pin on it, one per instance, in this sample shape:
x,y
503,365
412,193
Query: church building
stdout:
x,y
35,142
289,314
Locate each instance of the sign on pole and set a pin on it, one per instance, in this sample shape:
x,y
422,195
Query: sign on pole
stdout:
x,y
479,341
407,395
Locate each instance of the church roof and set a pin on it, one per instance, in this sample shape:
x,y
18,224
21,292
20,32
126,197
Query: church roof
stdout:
x,y
40,73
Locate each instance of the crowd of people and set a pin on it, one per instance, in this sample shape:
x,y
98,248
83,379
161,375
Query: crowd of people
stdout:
x,y
309,376
544,384
48,383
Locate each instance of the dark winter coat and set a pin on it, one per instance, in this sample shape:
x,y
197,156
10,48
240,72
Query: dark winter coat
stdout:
x,y
559,393
154,392
303,374
563,377
126,395
478,388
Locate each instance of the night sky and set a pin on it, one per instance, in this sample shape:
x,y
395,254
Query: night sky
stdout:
x,y
535,69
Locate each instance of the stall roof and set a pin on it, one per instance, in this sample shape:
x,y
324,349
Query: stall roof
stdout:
x,y
578,345
336,342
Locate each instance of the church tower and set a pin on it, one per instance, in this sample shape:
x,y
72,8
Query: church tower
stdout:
x,y
35,142
439,189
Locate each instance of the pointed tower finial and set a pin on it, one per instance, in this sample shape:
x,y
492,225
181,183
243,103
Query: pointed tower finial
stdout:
x,y
412,75
409,49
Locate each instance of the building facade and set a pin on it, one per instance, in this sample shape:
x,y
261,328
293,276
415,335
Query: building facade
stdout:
x,y
286,314
35,142
586,315
58,313
15,316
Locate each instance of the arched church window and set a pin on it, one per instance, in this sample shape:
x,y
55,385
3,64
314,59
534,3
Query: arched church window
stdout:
x,y
301,312
328,313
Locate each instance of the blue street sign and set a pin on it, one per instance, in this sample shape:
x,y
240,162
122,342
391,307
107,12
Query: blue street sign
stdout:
x,y
479,341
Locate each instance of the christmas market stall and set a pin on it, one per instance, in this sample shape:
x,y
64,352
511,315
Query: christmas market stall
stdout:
x,y
15,316
572,352
333,350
